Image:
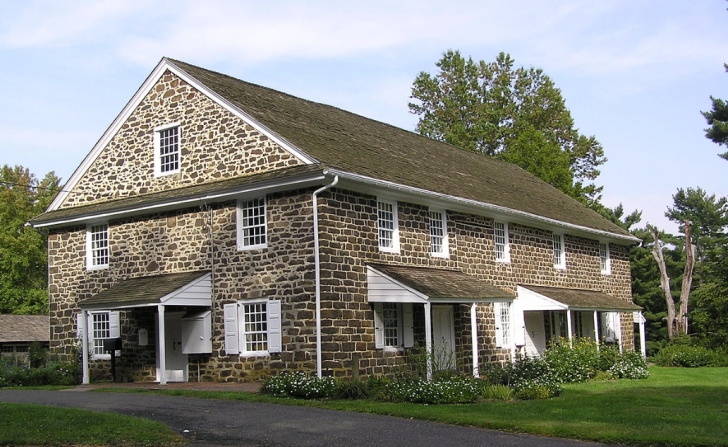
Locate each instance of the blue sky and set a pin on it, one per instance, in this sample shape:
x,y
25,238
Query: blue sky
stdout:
x,y
634,74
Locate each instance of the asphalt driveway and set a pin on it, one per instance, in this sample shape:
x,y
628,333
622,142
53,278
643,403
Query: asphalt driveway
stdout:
x,y
230,423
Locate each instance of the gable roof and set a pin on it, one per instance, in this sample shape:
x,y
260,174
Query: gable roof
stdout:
x,y
369,151
24,328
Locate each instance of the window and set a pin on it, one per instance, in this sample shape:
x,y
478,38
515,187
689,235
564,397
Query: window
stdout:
x,y
393,325
502,324
252,224
97,246
253,327
604,260
387,226
101,326
438,234
166,150
502,250
559,252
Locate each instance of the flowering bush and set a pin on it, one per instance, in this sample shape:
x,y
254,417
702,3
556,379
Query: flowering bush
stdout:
x,y
630,365
65,374
688,356
420,391
575,362
298,384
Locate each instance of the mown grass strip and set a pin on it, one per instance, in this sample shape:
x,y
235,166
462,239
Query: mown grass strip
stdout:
x,y
25,424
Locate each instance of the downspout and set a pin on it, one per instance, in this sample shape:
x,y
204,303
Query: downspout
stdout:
x,y
317,268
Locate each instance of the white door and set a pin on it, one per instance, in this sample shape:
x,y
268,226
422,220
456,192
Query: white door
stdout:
x,y
535,336
175,360
443,338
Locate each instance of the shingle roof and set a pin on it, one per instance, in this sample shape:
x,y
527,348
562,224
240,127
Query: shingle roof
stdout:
x,y
442,283
24,328
584,299
144,290
370,148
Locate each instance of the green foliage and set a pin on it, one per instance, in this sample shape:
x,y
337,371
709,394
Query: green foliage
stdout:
x,y
514,114
450,391
37,355
717,119
299,385
682,352
496,392
23,273
64,374
575,363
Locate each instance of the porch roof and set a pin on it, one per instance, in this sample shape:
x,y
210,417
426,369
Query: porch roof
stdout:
x,y
24,328
172,289
554,298
396,283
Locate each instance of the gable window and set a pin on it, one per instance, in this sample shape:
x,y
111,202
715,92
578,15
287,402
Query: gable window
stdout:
x,y
252,224
502,324
253,327
559,251
393,325
166,149
438,234
604,261
97,246
101,326
502,249
387,225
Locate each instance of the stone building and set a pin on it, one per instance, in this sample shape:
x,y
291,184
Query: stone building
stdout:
x,y
223,231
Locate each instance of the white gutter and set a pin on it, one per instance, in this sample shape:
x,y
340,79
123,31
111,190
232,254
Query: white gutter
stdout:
x,y
317,268
475,204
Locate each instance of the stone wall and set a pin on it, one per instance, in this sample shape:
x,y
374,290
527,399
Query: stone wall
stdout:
x,y
214,144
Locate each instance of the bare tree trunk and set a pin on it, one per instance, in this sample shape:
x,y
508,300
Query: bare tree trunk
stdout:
x,y
690,249
664,283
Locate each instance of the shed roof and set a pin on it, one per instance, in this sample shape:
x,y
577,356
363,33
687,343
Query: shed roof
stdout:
x,y
584,299
24,328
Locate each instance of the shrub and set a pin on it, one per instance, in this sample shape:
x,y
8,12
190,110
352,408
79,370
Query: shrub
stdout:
x,y
496,392
298,384
630,365
575,362
451,391
65,374
685,355
533,378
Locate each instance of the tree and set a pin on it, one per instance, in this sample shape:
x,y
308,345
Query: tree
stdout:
x,y
23,259
514,114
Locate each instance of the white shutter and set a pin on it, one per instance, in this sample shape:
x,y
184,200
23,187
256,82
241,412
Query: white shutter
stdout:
x,y
518,321
407,325
274,326
378,326
114,327
80,325
498,325
231,329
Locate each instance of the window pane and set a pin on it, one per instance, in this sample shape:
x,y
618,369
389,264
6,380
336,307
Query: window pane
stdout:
x,y
391,324
253,222
255,327
169,150
100,331
385,212
437,232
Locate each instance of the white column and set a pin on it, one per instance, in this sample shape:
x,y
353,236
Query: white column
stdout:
x,y
428,340
84,348
596,329
161,346
474,332
643,341
619,330
569,331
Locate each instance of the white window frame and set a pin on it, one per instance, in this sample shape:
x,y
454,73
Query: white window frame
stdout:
x,y
503,324
502,249
244,226
605,262
402,327
94,335
98,255
438,223
388,237
158,165
559,251
236,328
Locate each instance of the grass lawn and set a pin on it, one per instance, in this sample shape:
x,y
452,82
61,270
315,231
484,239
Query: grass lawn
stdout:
x,y
674,407
22,424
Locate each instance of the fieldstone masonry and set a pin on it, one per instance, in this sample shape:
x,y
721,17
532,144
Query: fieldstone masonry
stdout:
x,y
215,144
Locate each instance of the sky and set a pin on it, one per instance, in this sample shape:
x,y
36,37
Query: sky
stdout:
x,y
634,74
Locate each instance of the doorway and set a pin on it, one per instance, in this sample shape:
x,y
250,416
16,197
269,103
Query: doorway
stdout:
x,y
443,338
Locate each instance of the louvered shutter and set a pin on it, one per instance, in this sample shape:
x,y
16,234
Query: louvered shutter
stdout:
x,y
230,312
407,325
274,326
378,326
498,325
114,325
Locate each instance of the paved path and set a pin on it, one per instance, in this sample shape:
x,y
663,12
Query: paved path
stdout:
x,y
230,423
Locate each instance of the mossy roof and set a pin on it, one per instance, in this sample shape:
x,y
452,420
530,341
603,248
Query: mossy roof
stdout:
x,y
584,299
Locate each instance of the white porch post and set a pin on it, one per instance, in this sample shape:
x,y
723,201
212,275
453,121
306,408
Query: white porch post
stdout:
x,y
161,346
619,330
84,348
428,339
643,341
474,332
569,331
596,329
